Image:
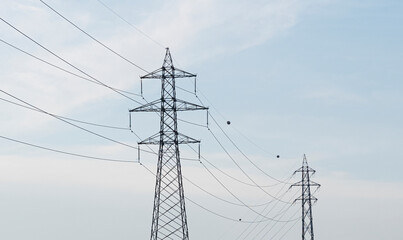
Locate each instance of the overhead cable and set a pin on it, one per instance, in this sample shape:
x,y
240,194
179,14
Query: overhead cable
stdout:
x,y
282,211
63,69
65,61
130,24
93,38
244,172
254,164
282,227
237,198
66,153
224,200
65,121
236,146
289,229
237,130
280,215
66,118
213,212
228,175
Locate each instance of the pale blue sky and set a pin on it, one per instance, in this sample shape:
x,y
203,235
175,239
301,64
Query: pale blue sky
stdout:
x,y
315,77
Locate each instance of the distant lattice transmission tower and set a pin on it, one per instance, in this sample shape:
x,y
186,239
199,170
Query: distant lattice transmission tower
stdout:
x,y
169,214
306,198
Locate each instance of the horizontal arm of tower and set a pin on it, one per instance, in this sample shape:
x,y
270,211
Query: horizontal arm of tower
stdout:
x,y
305,198
314,184
305,169
183,74
183,139
187,106
153,75
298,184
155,106
170,72
156,140
304,183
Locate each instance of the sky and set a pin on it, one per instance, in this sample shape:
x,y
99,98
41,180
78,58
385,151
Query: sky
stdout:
x,y
311,77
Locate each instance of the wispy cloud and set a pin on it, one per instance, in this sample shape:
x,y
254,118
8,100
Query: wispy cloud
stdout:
x,y
215,27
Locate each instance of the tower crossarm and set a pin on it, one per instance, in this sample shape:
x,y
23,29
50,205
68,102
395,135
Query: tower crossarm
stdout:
x,y
155,106
156,139
187,106
305,169
171,71
301,183
312,198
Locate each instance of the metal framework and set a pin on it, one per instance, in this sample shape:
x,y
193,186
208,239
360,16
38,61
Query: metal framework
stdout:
x,y
169,214
306,199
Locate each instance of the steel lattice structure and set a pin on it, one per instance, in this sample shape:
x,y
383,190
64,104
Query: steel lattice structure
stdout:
x,y
306,199
169,214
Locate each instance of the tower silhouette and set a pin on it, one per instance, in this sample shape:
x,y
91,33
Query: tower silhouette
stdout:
x,y
306,199
169,214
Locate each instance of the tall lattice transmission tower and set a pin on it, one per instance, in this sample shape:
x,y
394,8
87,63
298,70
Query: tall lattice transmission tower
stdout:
x,y
306,199
169,214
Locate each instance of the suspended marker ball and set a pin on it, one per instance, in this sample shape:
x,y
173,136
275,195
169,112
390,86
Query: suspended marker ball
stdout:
x,y
228,122
278,156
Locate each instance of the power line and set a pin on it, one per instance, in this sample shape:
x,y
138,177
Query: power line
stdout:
x,y
130,24
228,175
138,30
62,69
65,121
102,44
254,164
243,204
65,61
70,119
243,171
211,211
185,90
237,198
64,152
93,38
289,229
227,189
237,130
222,146
66,118
192,123
224,200
236,146
282,212
282,227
